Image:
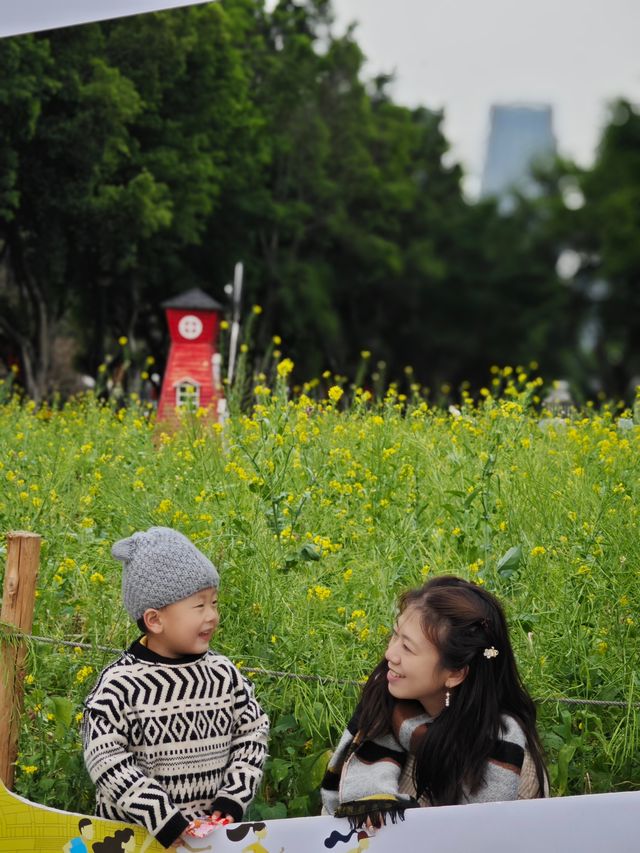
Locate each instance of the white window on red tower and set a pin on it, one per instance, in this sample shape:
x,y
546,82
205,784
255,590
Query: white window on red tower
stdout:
x,y
188,394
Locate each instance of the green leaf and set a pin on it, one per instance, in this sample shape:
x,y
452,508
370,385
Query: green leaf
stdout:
x,y
284,724
279,769
299,806
313,769
565,755
275,812
527,621
309,552
470,497
62,713
509,562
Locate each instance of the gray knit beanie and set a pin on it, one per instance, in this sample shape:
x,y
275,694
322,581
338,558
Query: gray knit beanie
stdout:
x,y
159,567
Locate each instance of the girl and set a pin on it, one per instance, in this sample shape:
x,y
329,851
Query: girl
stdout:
x,y
443,719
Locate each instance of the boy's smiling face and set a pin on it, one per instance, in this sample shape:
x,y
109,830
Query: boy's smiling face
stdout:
x,y
183,628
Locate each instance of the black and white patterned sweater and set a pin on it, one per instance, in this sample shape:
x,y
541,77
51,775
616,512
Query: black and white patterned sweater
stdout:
x,y
170,740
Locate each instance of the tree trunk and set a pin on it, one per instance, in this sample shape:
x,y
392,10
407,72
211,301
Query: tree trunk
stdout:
x,y
35,339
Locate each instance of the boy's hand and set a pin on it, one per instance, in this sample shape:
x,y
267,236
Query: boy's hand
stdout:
x,y
201,827
220,816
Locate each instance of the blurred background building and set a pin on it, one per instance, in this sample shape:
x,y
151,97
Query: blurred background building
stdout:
x,y
520,136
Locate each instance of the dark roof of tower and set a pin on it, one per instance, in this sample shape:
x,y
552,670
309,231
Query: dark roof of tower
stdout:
x,y
194,299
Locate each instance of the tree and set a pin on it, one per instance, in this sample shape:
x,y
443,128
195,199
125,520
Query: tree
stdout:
x,y
144,156
115,173
606,232
61,162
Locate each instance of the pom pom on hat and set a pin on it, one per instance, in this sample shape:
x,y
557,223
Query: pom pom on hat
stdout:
x,y
159,567
123,549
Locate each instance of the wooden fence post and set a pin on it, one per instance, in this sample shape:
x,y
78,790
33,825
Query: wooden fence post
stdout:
x,y
23,557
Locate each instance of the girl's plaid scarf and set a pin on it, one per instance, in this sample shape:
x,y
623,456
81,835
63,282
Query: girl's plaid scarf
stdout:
x,y
362,779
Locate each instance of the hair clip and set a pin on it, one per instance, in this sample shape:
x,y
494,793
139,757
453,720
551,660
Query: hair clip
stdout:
x,y
491,652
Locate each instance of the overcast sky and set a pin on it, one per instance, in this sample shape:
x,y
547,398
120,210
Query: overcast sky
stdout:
x,y
464,55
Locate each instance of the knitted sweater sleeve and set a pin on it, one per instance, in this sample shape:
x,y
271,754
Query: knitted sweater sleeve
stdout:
x,y
502,772
113,768
248,752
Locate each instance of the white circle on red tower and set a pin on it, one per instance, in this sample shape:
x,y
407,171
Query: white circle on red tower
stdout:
x,y
190,327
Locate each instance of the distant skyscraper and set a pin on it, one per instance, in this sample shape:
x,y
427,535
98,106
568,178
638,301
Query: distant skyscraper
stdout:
x,y
519,137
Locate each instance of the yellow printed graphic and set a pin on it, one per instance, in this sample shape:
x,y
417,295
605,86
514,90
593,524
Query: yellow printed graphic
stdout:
x,y
29,828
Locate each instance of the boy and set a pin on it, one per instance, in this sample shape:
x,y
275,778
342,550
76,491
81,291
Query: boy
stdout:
x,y
77,844
171,730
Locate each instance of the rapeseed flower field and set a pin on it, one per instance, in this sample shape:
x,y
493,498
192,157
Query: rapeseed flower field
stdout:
x,y
319,507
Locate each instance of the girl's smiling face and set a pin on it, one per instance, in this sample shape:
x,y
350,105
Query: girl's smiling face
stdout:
x,y
415,671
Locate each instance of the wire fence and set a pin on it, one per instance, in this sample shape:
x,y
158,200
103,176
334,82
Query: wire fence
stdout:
x,y
322,679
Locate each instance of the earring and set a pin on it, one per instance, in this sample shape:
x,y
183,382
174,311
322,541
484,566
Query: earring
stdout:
x,y
447,699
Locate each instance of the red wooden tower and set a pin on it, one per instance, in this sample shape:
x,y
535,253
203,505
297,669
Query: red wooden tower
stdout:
x,y
191,378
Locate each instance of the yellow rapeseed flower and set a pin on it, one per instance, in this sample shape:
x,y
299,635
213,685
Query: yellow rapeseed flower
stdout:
x,y
285,367
335,393
538,551
318,591
123,340
83,673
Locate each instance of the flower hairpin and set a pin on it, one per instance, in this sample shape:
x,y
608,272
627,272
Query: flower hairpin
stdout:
x,y
491,652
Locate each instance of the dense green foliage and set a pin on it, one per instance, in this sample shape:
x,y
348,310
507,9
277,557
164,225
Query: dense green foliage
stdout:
x,y
143,156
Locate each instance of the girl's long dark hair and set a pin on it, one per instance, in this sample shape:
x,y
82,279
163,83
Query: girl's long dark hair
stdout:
x,y
461,620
